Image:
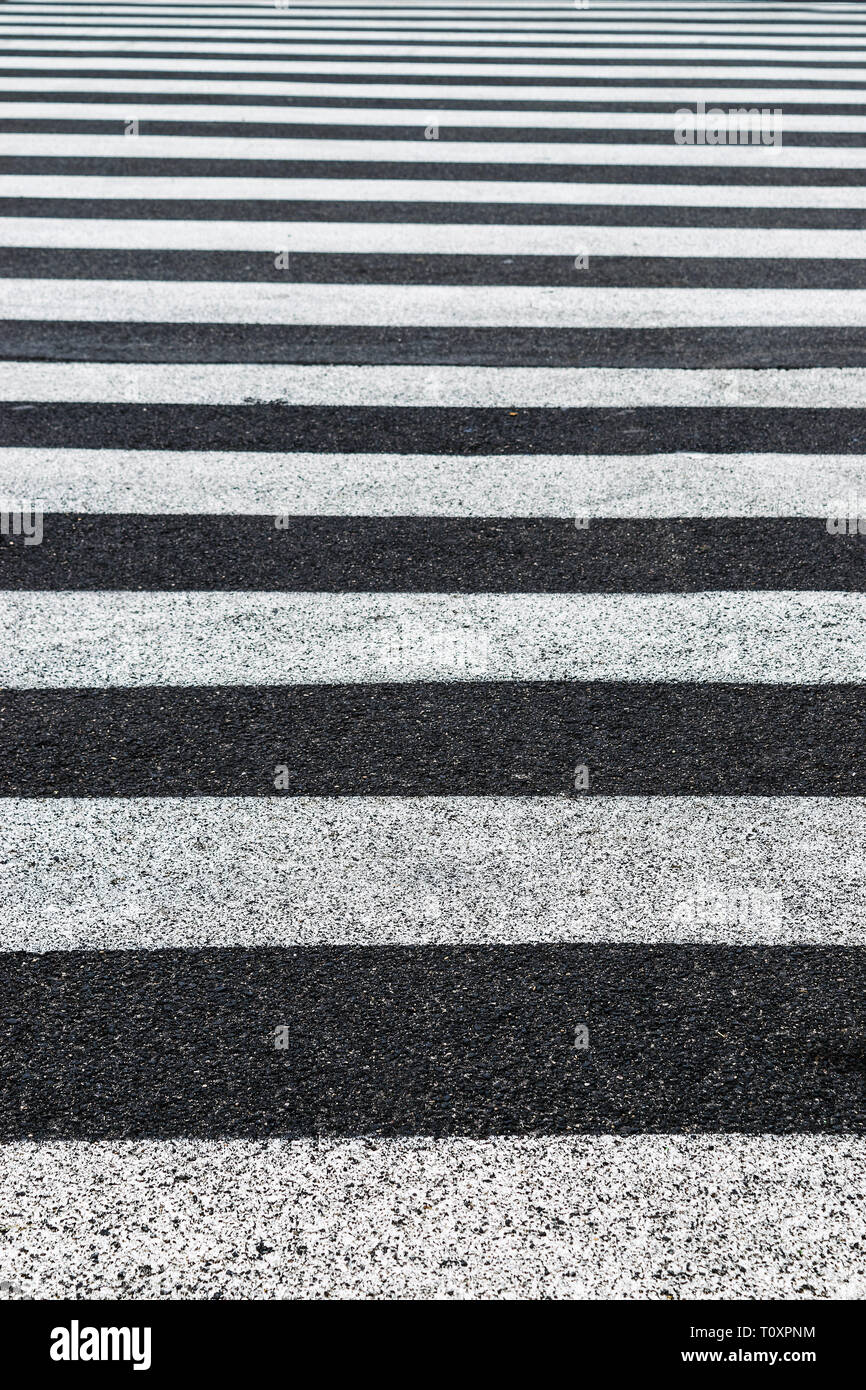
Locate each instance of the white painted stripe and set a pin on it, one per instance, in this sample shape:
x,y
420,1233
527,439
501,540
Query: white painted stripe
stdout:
x,y
476,27
360,7
655,1216
556,20
622,14
755,72
434,191
479,27
505,387
155,873
506,306
565,27
431,25
476,38
124,638
440,151
555,485
430,238
621,11
207,113
617,17
437,92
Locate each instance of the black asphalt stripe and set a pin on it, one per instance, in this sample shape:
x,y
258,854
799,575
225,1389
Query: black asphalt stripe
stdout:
x,y
811,59
436,554
484,47
365,346
496,214
291,130
418,268
426,79
422,104
432,1040
432,429
459,738
20,166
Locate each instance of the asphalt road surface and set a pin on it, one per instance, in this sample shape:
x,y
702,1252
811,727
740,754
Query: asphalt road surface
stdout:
x,y
433,679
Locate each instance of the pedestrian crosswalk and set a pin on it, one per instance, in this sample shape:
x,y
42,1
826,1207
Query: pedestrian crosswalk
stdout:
x,y
433,687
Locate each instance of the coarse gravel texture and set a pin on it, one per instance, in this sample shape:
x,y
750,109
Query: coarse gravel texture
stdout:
x,y
691,190
138,873
650,486
644,1217
566,305
195,150
352,238
105,640
490,390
